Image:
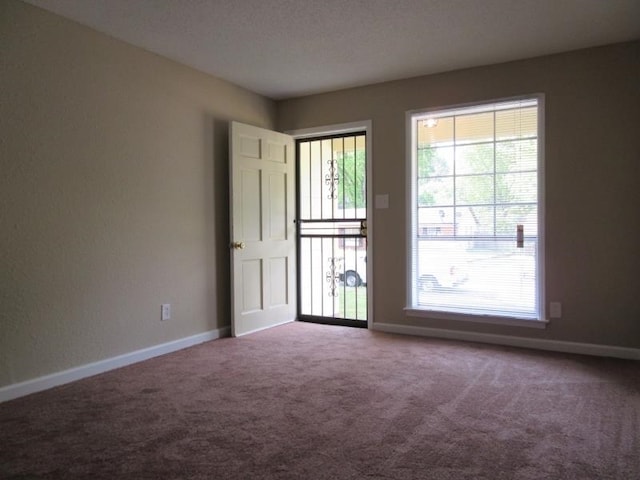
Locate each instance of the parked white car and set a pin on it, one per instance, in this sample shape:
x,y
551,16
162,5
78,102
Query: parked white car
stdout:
x,y
438,267
354,269
441,265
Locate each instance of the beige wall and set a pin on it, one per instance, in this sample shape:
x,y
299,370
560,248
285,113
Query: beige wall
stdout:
x,y
113,195
592,181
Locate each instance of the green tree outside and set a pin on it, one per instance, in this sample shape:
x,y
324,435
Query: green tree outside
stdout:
x,y
352,174
511,183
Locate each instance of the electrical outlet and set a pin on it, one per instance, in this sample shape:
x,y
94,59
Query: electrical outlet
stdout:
x,y
166,311
555,309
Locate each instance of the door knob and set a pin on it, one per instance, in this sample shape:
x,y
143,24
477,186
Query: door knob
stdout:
x,y
237,245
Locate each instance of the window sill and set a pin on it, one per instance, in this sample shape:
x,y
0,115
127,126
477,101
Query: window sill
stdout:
x,y
494,320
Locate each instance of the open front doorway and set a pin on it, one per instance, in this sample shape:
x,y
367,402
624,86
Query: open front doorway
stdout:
x,y
332,229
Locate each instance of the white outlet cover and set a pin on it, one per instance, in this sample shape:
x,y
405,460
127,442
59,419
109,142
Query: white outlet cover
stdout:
x,y
382,200
555,309
166,311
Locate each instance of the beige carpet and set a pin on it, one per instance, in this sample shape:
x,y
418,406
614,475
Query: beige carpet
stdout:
x,y
305,401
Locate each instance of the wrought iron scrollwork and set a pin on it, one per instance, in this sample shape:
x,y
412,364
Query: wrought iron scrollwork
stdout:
x,y
333,275
331,179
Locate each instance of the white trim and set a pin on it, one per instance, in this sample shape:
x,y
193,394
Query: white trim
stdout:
x,y
21,389
331,129
350,127
511,321
542,202
513,341
255,330
410,144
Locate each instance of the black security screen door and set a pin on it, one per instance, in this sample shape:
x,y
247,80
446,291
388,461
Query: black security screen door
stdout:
x,y
332,229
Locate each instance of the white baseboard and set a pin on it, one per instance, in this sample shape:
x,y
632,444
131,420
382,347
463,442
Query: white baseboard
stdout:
x,y
17,390
536,343
256,330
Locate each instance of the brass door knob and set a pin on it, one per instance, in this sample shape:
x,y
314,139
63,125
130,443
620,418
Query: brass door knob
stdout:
x,y
237,245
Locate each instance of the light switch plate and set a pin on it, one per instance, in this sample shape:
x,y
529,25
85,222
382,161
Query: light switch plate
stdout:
x,y
382,200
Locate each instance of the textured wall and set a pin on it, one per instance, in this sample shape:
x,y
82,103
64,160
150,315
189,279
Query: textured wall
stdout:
x,y
592,177
113,195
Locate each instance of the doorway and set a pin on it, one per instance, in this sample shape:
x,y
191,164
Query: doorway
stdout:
x,y
332,233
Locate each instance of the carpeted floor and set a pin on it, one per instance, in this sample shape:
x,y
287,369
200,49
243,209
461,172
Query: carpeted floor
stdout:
x,y
305,401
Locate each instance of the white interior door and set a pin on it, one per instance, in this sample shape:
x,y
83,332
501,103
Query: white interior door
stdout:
x,y
263,251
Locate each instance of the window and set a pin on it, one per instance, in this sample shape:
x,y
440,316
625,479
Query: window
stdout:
x,y
475,211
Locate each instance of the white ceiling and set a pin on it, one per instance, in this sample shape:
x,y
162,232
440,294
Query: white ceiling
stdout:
x,y
288,48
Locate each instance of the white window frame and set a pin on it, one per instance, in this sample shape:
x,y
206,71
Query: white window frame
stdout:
x,y
541,321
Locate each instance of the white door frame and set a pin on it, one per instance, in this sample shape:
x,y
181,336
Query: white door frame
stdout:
x,y
367,127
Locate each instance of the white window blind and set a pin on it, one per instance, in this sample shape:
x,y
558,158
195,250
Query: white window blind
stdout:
x,y
475,174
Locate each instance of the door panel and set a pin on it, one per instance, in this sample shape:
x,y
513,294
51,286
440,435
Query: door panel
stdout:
x,y
250,224
262,228
278,280
252,286
277,206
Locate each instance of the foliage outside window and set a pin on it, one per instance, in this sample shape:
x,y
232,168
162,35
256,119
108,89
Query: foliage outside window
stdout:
x,y
352,188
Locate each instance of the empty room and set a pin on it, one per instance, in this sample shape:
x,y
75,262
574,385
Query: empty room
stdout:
x,y
337,239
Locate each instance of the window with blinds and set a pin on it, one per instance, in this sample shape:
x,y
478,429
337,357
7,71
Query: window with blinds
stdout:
x,y
475,210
